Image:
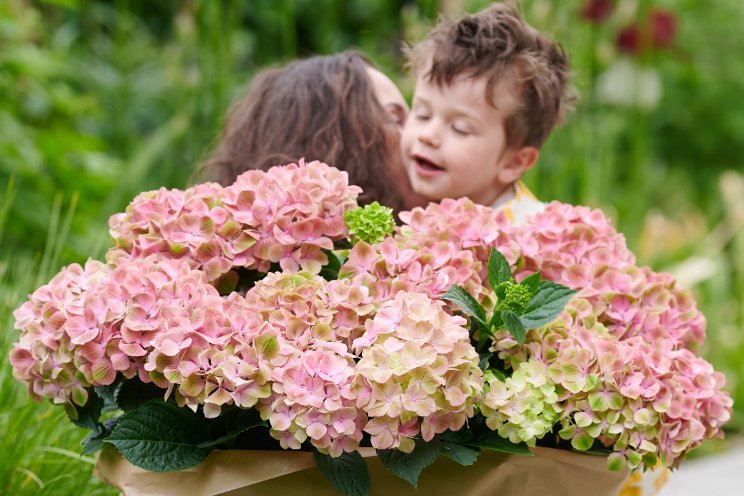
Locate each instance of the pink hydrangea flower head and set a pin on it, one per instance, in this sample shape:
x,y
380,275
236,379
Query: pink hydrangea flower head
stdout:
x,y
297,211
646,399
418,371
193,225
91,323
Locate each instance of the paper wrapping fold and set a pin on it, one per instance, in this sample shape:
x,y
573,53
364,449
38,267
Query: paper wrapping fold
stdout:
x,y
291,473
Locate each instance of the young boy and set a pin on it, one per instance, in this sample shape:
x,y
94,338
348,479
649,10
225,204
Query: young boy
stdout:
x,y
489,89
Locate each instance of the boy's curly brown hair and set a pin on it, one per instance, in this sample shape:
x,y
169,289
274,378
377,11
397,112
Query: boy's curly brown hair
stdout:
x,y
517,61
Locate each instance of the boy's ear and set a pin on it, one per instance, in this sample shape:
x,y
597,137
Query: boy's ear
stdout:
x,y
517,162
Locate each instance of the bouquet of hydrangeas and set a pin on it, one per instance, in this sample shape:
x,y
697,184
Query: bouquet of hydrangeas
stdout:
x,y
276,314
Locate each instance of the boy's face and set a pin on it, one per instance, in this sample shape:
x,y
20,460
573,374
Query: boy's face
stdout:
x,y
454,142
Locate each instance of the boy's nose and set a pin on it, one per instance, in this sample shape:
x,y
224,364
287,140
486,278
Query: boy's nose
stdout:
x,y
428,135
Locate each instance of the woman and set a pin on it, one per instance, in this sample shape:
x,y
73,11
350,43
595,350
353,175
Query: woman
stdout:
x,y
337,109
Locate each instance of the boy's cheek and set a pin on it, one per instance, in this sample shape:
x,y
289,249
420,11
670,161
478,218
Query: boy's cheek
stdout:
x,y
407,127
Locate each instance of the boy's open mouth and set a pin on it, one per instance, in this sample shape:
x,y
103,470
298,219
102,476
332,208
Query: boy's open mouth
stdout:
x,y
426,166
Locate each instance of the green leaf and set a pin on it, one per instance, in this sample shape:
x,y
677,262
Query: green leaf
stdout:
x,y
492,441
236,422
468,304
330,271
108,394
454,445
501,292
461,453
334,263
348,473
134,393
497,321
514,325
94,441
248,278
483,363
88,414
546,305
498,269
227,282
461,436
532,282
408,466
161,437
498,374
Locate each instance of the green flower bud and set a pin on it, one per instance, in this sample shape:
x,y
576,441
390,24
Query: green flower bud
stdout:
x,y
516,297
371,223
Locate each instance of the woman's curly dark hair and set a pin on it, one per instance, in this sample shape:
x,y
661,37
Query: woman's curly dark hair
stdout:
x,y
320,108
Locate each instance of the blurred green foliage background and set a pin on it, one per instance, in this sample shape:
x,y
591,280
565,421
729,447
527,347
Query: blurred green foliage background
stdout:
x,y
100,100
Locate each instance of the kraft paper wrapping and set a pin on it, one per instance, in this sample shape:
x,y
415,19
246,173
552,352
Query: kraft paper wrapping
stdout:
x,y
293,473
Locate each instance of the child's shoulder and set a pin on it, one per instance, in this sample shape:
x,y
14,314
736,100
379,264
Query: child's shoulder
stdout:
x,y
521,204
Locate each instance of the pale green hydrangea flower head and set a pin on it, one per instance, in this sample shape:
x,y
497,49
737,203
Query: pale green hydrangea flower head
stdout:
x,y
371,223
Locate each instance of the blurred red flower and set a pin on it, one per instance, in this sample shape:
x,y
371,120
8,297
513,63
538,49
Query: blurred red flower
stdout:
x,y
663,27
597,11
658,30
629,39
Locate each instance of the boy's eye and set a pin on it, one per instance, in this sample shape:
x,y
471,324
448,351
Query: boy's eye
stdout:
x,y
420,111
461,129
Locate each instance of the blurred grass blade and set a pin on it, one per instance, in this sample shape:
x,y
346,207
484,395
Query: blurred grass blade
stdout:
x,y
145,158
10,192
57,237
68,453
